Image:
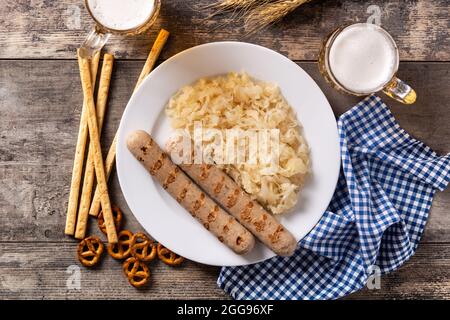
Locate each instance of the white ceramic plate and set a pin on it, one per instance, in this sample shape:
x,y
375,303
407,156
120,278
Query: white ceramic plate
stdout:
x,y
160,215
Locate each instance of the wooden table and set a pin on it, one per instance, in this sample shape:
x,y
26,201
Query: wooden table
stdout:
x,y
40,104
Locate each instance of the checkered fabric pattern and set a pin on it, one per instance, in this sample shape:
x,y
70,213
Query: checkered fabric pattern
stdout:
x,y
376,217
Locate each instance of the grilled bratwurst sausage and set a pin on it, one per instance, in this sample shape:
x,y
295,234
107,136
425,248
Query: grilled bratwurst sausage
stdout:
x,y
188,194
222,188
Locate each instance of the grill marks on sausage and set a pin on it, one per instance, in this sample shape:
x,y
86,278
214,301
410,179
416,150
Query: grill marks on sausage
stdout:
x,y
275,236
183,192
261,224
232,198
226,228
158,163
219,185
204,171
171,177
246,213
213,214
197,204
144,150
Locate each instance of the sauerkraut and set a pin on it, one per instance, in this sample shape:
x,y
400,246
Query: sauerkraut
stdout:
x,y
236,101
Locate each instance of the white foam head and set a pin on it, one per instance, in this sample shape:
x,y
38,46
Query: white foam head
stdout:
x,y
363,58
121,14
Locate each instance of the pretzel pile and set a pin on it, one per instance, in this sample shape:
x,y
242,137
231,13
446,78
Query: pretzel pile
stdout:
x,y
135,249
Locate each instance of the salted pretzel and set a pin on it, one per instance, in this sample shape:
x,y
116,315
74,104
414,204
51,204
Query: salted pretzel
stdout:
x,y
168,257
142,247
136,272
117,215
121,249
90,251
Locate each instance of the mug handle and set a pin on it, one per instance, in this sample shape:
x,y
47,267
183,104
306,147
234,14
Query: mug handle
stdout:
x,y
94,42
400,91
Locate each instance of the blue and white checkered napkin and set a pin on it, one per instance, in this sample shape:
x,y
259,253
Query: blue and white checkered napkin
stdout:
x,y
376,217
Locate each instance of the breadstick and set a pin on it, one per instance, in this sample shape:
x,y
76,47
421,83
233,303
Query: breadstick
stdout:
x,y
77,170
226,228
111,157
89,173
239,204
97,154
109,165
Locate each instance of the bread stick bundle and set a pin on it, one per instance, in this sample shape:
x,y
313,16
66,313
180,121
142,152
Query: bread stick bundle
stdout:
x,y
157,47
89,173
188,194
77,172
94,138
222,188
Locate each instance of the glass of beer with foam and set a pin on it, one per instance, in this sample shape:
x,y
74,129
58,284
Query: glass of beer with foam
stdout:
x,y
361,59
124,17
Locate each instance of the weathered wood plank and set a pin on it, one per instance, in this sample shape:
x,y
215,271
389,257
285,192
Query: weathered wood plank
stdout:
x,y
40,104
425,276
39,271
54,29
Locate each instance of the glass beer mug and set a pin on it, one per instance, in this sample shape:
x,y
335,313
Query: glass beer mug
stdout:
x,y
361,59
121,17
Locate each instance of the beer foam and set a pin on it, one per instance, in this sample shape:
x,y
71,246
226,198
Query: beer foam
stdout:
x,y
121,14
363,58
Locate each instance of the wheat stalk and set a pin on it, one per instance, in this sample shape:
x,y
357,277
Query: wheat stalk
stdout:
x,y
256,14
238,8
263,15
232,4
